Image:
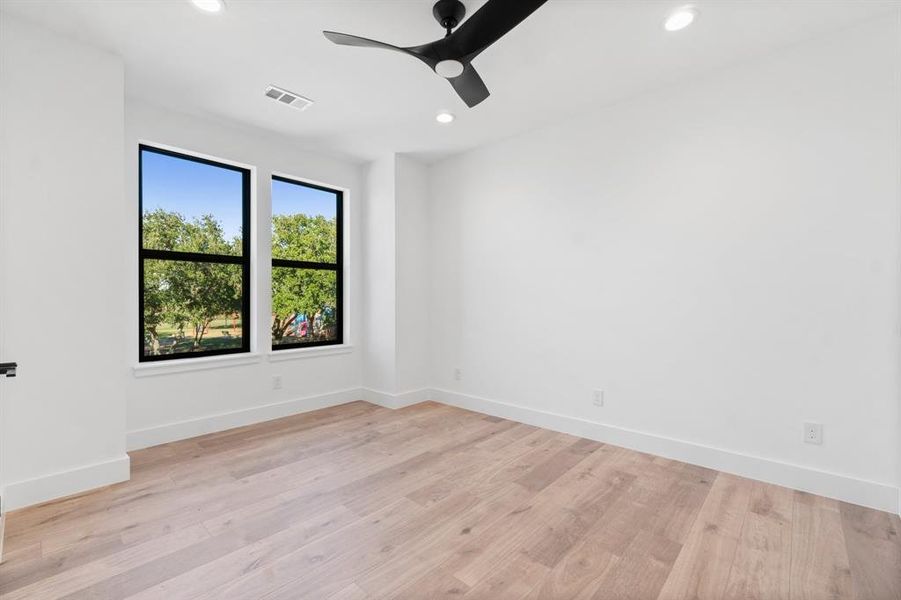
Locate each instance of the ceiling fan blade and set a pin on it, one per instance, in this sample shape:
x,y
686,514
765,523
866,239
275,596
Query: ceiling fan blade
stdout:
x,y
488,25
470,86
345,39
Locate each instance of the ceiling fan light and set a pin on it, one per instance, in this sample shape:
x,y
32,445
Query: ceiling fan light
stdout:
x,y
449,68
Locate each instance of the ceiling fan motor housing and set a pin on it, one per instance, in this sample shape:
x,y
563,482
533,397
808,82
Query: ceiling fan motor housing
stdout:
x,y
449,13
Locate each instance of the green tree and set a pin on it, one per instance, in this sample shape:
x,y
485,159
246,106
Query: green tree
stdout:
x,y
306,292
305,237
163,230
188,293
155,302
296,292
201,292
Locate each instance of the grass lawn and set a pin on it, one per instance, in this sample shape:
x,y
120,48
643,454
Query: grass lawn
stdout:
x,y
220,335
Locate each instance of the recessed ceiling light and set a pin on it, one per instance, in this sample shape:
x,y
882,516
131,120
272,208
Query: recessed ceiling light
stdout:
x,y
445,117
210,6
681,18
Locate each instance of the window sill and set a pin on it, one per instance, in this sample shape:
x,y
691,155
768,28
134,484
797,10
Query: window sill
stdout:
x,y
316,352
187,365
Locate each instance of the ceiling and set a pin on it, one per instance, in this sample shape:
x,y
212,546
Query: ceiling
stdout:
x,y
568,56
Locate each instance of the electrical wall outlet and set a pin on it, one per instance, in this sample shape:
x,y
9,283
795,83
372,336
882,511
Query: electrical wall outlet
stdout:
x,y
458,373
276,382
597,397
813,433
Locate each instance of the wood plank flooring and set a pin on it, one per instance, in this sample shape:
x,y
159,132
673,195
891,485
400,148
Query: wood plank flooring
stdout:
x,y
360,502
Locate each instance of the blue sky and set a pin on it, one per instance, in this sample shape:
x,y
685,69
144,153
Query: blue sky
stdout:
x,y
194,189
291,198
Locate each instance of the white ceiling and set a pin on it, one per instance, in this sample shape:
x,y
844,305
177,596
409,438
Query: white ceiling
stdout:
x,y
569,55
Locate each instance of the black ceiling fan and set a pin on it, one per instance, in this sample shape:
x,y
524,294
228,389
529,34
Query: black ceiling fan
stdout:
x,y
451,56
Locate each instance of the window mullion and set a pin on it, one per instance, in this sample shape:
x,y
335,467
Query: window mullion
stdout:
x,y
303,264
147,253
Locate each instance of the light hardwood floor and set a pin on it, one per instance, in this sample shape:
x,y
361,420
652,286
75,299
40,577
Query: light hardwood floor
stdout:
x,y
357,502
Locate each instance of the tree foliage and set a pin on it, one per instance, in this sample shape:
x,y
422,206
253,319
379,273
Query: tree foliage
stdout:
x,y
306,292
155,300
304,237
188,294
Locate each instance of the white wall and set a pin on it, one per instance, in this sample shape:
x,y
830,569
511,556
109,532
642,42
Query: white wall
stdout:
x,y
64,260
721,258
396,281
379,233
177,405
412,338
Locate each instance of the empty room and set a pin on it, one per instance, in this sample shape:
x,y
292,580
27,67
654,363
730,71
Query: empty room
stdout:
x,y
479,299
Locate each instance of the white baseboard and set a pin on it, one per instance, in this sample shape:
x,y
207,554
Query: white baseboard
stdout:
x,y
399,400
19,494
841,487
848,489
181,430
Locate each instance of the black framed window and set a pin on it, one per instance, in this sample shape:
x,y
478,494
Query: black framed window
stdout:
x,y
307,265
194,257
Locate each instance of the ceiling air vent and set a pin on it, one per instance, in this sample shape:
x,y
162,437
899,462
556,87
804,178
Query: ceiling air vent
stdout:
x,y
290,98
